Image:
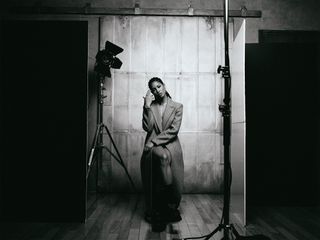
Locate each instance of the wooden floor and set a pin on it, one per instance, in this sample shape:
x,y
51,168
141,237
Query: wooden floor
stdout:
x,y
120,217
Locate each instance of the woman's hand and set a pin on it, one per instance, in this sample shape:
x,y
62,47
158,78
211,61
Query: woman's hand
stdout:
x,y
148,99
148,146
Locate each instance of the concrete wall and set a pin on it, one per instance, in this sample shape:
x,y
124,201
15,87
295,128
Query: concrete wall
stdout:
x,y
276,14
185,53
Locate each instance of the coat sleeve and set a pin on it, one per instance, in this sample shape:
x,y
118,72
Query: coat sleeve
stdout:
x,y
147,119
169,134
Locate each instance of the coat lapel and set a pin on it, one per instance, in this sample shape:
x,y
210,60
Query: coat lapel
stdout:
x,y
167,113
156,114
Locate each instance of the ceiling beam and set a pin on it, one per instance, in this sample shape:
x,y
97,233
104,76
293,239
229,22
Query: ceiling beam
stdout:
x,y
88,10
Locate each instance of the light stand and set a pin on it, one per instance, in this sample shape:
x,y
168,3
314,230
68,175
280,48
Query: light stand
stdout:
x,y
105,60
228,229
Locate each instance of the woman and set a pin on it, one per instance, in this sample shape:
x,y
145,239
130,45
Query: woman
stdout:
x,y
162,161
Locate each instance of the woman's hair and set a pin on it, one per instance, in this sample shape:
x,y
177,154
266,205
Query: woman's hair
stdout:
x,y
156,79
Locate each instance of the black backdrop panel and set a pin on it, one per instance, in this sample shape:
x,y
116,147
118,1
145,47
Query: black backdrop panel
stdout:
x,y
43,120
282,123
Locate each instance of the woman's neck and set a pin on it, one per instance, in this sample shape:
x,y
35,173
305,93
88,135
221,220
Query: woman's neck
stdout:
x,y
163,100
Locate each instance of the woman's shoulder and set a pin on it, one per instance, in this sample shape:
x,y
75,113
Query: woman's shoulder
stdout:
x,y
176,104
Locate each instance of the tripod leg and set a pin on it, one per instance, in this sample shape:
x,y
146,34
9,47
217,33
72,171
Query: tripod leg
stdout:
x,y
214,232
235,232
120,158
93,149
206,237
113,155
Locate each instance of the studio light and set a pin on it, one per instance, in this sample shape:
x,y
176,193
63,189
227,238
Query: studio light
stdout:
x,y
106,59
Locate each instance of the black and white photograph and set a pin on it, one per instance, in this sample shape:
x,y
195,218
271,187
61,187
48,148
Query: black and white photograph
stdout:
x,y
160,120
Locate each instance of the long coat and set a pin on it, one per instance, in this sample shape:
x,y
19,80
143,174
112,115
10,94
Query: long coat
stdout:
x,y
163,131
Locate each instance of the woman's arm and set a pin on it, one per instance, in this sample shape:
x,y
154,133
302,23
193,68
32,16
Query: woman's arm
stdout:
x,y
147,119
147,116
172,132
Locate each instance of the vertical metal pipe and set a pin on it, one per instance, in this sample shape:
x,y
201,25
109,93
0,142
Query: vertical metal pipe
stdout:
x,y
100,122
226,31
99,114
227,125
226,53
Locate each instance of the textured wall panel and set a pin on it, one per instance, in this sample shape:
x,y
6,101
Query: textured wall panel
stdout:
x,y
155,55
172,45
208,104
108,116
189,44
135,116
184,52
121,89
138,44
122,31
121,118
120,181
207,43
138,87
189,85
106,30
189,149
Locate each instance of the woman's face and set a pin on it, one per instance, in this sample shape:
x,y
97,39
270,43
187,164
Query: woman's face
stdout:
x,y
158,89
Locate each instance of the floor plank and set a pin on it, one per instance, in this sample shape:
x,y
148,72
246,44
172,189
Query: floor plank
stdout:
x,y
121,217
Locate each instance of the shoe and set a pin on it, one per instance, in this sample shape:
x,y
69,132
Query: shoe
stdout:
x,y
173,215
158,226
158,223
154,217
148,218
167,215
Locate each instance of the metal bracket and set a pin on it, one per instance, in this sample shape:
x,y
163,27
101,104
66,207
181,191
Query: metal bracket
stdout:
x,y
86,8
225,110
137,9
225,71
243,11
190,10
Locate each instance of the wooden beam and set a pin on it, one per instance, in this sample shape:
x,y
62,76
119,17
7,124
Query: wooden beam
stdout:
x,y
88,10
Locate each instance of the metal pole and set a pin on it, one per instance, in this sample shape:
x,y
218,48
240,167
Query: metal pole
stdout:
x,y
226,124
